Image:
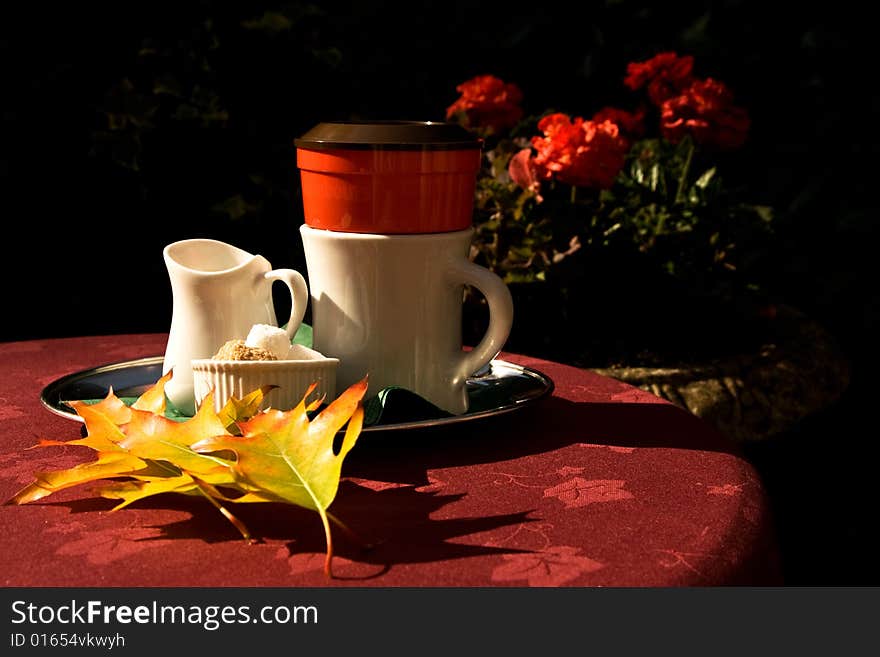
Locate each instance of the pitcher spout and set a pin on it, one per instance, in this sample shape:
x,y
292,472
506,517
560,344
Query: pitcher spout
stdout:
x,y
219,292
207,257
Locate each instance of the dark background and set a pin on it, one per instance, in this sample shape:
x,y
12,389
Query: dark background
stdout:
x,y
132,125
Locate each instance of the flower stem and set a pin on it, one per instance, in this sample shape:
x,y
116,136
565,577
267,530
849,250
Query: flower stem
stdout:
x,y
685,170
574,193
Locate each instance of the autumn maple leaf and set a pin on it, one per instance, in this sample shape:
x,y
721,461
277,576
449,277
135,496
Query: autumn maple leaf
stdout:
x,y
268,456
283,455
136,442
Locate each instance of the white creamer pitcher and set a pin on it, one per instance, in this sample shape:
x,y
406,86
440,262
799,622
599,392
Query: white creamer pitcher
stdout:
x,y
219,292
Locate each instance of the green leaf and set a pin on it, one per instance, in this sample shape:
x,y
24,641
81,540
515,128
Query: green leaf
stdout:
x,y
654,178
764,212
704,179
303,335
168,85
272,22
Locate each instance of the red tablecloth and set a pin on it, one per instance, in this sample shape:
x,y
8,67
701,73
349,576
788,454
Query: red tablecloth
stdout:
x,y
599,485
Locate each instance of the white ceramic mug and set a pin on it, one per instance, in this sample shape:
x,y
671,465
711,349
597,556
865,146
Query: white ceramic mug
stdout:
x,y
219,292
390,306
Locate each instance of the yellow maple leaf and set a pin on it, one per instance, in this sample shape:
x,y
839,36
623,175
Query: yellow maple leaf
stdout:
x,y
272,456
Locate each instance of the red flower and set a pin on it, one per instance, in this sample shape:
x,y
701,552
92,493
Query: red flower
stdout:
x,y
706,111
581,153
487,102
666,75
632,124
524,173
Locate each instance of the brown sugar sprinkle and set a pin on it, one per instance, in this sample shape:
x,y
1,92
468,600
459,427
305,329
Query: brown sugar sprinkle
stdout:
x,y
238,350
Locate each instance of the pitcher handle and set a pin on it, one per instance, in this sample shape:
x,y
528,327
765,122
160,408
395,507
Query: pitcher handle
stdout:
x,y
500,315
299,296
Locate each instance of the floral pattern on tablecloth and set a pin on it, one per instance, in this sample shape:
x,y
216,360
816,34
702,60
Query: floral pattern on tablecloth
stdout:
x,y
600,485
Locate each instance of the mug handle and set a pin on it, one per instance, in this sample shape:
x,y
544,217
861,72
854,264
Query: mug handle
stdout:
x,y
299,296
500,315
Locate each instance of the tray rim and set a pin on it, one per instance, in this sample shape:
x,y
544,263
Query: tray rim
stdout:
x,y
547,388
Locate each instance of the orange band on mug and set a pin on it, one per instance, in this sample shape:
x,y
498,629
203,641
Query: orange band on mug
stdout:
x,y
388,191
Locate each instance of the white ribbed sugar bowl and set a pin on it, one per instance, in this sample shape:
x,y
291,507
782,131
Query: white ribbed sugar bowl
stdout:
x,y
237,378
